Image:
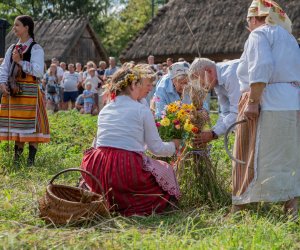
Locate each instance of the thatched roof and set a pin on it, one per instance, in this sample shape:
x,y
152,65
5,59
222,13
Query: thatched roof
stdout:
x,y
59,37
218,26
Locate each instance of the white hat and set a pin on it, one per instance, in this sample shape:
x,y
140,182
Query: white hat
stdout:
x,y
179,68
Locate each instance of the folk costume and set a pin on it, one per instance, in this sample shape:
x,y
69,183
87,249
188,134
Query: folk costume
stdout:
x,y
270,144
134,183
23,117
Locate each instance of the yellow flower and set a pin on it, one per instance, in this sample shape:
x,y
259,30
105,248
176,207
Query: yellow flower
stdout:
x,y
188,126
181,115
187,107
172,108
165,122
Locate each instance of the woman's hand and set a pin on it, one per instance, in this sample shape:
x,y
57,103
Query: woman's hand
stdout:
x,y
4,89
177,143
252,111
16,56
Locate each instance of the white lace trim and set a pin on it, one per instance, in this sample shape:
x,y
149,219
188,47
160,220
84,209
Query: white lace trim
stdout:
x,y
171,188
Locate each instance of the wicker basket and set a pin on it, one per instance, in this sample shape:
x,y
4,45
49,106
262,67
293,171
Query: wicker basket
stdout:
x,y
70,205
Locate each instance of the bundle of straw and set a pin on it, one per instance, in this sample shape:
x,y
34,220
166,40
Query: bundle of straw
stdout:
x,y
196,174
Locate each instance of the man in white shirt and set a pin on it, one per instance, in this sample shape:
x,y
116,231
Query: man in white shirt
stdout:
x,y
221,77
70,83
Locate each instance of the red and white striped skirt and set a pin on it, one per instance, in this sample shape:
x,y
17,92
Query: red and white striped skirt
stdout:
x,y
134,183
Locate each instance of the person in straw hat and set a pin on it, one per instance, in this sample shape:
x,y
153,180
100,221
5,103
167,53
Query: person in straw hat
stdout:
x,y
134,183
269,141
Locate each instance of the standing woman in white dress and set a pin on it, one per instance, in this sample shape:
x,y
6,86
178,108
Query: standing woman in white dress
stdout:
x,y
269,74
23,116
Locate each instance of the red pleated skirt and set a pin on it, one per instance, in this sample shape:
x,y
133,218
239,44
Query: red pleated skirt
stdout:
x,y
130,190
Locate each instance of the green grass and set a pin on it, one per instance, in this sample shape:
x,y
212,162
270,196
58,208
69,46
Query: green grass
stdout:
x,y
261,227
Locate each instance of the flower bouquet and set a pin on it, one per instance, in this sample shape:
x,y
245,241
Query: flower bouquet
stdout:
x,y
175,123
196,174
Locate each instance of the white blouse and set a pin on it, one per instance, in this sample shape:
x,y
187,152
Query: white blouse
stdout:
x,y
35,67
128,124
272,55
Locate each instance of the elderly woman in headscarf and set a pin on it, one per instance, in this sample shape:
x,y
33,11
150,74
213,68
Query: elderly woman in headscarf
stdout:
x,y
170,88
134,183
269,141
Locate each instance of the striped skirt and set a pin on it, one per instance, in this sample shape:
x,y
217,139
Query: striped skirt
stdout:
x,y
133,183
23,118
244,148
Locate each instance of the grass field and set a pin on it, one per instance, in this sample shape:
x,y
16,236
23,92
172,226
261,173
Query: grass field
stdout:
x,y
262,226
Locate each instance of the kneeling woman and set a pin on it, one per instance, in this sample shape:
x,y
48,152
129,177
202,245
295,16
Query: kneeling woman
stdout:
x,y
134,183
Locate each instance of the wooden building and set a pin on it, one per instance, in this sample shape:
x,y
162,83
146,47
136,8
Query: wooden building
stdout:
x,y
71,41
219,28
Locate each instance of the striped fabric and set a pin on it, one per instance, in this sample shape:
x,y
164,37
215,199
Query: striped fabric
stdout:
x,y
244,149
23,118
130,190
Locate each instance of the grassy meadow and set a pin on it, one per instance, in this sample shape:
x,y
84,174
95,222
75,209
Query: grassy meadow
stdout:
x,y
262,226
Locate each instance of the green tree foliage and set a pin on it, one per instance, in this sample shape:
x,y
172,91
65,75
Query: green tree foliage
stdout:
x,y
115,21
93,9
121,27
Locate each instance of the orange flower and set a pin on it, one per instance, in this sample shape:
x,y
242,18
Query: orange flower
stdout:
x,y
195,130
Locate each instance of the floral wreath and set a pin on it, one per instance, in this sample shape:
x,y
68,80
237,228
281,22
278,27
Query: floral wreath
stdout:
x,y
130,77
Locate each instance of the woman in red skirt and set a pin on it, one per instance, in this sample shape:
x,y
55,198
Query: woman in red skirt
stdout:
x,y
134,183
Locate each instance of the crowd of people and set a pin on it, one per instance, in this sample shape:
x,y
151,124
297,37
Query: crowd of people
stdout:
x,y
65,85
262,88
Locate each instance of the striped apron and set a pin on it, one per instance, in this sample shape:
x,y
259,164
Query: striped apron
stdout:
x,y
23,117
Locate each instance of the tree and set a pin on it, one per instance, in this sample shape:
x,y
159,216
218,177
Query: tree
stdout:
x,y
94,9
123,26
116,26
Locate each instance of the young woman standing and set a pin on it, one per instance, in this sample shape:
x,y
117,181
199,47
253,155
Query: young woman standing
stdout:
x,y
23,115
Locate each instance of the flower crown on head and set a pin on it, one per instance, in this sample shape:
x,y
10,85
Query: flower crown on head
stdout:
x,y
126,78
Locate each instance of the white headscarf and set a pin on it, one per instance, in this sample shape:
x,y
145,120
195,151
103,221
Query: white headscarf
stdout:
x,y
179,68
273,12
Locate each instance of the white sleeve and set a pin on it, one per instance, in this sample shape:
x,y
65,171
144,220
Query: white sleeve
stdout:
x,y
80,77
36,65
5,66
229,116
152,139
260,58
60,72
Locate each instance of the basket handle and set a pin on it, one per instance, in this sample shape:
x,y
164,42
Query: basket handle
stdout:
x,y
79,170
